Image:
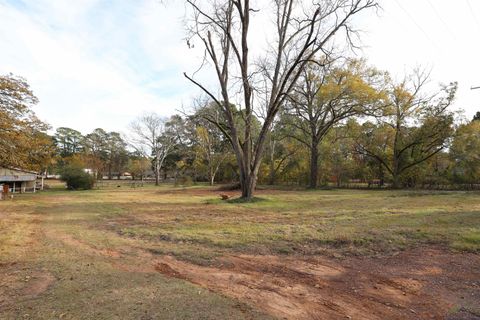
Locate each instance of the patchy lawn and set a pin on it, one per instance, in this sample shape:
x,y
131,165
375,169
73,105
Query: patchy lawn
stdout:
x,y
182,253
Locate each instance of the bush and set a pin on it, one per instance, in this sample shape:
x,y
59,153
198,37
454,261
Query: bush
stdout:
x,y
76,178
185,181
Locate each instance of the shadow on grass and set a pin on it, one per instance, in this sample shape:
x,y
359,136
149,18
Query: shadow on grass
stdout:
x,y
237,200
243,200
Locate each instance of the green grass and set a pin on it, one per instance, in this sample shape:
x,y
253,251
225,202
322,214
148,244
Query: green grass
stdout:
x,y
193,224
342,221
88,285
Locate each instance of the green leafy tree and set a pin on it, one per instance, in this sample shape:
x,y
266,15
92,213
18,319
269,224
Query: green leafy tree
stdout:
x,y
95,151
116,154
326,95
414,128
210,153
465,152
476,117
68,141
138,166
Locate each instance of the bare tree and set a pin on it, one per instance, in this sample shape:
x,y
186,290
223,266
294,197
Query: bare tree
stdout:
x,y
153,138
261,87
209,151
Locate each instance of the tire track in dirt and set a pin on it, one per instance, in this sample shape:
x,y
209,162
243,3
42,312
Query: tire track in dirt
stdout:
x,y
402,287
73,242
18,280
418,284
284,289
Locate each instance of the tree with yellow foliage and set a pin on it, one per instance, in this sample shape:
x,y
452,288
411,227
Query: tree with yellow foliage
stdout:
x,y
328,94
416,126
465,153
23,139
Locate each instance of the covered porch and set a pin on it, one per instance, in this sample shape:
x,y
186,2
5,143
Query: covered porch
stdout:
x,y
17,181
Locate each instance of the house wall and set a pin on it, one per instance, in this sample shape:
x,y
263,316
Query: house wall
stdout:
x,y
23,181
20,175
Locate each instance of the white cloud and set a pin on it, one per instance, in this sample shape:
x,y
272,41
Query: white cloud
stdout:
x,y
80,86
96,64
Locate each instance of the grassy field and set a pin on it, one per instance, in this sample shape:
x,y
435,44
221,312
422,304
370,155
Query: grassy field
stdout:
x,y
81,255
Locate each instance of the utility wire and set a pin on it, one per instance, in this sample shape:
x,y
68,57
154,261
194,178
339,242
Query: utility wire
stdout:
x,y
418,25
441,19
473,14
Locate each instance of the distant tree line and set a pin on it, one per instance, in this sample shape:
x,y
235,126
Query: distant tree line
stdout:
x,y
344,124
298,113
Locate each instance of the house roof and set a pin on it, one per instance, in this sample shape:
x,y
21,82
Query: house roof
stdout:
x,y
12,178
18,169
16,175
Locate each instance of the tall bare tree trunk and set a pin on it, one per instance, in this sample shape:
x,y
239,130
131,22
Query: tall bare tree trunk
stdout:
x,y
301,33
157,170
212,178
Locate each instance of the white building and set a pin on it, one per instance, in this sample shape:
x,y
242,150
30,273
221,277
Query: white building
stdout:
x,y
13,180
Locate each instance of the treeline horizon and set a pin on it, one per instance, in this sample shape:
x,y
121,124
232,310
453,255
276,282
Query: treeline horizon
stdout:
x,y
346,124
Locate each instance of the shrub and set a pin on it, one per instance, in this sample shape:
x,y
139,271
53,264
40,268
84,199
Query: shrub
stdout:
x,y
185,181
76,178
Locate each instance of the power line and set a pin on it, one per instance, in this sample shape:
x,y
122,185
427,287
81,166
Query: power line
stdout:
x,y
441,19
473,14
418,25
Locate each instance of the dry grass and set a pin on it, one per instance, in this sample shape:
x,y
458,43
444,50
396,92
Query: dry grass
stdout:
x,y
78,237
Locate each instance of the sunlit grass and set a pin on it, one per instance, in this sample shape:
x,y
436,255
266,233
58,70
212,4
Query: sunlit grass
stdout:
x,y
63,232
341,221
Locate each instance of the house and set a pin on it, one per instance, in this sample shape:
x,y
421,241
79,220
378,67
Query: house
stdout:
x,y
16,180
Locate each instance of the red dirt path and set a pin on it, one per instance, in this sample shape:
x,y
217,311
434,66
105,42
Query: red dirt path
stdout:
x,y
418,284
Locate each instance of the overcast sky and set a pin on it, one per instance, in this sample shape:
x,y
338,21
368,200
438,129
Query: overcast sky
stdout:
x,y
100,63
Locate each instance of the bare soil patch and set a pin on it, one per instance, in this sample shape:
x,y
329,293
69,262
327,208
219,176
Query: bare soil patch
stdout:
x,y
71,241
418,284
38,283
20,283
425,283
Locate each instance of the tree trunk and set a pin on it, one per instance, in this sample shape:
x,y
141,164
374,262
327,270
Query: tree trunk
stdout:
x,y
381,175
248,186
396,174
157,170
396,182
248,177
313,166
272,178
211,174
